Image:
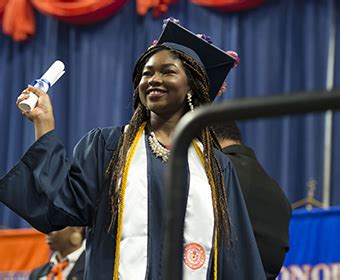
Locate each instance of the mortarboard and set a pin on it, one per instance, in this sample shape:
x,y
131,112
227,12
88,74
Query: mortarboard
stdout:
x,y
216,62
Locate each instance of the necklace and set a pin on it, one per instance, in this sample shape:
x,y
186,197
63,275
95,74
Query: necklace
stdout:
x,y
157,148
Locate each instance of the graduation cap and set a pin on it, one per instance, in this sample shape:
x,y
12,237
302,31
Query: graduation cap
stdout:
x,y
215,61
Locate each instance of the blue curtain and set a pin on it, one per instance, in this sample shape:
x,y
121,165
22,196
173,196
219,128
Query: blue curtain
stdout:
x,y
283,47
335,179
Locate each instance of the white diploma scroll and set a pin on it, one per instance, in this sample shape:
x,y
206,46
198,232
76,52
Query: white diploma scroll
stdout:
x,y
47,80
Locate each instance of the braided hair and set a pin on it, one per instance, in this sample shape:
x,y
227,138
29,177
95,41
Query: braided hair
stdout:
x,y
199,84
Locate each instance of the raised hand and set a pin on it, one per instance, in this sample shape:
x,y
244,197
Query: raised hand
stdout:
x,y
42,115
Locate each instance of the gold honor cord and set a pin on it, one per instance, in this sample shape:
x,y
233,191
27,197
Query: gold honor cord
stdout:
x,y
200,155
122,197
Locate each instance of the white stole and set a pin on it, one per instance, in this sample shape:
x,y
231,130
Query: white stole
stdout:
x,y
134,240
198,227
199,221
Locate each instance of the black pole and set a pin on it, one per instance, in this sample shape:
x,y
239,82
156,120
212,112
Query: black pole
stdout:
x,y
189,126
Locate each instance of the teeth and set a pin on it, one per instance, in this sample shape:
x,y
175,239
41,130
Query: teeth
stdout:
x,y
155,92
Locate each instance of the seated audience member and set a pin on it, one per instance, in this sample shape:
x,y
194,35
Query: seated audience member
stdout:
x,y
268,207
68,258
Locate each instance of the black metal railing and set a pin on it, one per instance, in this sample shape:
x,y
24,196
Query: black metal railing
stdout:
x,y
189,126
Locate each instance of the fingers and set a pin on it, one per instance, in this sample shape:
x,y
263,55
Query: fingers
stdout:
x,y
36,91
24,95
29,90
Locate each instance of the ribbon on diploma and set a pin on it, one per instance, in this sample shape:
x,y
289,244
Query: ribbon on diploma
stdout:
x,y
42,84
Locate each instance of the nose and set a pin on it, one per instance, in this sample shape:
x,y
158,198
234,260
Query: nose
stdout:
x,y
155,79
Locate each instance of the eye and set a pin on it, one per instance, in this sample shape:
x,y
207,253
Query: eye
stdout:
x,y
169,71
146,73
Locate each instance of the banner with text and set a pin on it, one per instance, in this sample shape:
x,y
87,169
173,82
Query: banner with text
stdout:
x,y
314,246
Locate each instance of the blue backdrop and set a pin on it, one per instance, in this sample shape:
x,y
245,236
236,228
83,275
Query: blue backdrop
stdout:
x,y
283,47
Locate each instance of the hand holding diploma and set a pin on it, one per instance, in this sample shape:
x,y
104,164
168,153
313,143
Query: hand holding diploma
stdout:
x,y
35,103
52,75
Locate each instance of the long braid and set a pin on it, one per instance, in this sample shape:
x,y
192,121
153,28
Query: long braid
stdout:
x,y
115,169
221,193
200,85
216,182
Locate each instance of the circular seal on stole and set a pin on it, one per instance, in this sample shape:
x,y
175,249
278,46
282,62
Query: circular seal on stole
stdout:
x,y
194,256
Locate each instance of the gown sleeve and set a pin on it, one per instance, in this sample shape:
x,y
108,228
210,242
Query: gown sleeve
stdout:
x,y
241,260
49,191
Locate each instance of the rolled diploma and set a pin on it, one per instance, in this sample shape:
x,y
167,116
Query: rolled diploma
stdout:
x,y
50,77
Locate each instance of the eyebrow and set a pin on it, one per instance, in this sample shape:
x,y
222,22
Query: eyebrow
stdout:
x,y
163,65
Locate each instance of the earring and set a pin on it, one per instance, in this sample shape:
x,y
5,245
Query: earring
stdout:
x,y
75,239
189,98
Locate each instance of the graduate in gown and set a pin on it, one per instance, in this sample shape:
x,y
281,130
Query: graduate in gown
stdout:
x,y
115,183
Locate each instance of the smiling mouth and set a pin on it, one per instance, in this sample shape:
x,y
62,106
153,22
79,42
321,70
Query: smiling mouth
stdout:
x,y
155,92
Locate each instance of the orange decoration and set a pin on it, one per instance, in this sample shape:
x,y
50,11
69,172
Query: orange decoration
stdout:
x,y
229,5
22,250
18,19
3,3
79,12
159,7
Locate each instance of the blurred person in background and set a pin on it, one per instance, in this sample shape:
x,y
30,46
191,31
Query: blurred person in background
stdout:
x,y
268,208
68,258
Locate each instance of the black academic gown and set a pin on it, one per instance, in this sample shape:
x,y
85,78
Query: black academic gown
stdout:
x,y
77,272
50,192
269,209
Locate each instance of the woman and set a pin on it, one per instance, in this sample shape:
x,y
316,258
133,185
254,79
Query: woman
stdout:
x,y
115,183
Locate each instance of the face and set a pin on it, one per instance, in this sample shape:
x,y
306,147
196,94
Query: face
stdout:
x,y
164,84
